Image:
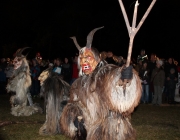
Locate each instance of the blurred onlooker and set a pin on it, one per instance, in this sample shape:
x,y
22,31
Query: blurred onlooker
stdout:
x,y
151,66
8,60
3,64
75,70
103,55
172,80
50,65
43,65
54,61
109,59
144,76
66,70
167,67
142,56
152,63
38,58
138,66
35,72
120,61
57,66
157,78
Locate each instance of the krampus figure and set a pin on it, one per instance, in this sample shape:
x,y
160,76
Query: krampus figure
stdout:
x,y
100,103
56,93
20,84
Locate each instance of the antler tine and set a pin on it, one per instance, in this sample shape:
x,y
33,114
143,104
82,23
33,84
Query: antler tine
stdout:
x,y
75,42
19,53
90,37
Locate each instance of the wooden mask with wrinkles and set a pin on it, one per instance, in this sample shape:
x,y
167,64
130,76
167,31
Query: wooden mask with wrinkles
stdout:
x,y
87,59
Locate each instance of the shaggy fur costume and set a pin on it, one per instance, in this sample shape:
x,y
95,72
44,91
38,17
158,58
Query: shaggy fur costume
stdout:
x,y
20,84
105,108
56,93
102,98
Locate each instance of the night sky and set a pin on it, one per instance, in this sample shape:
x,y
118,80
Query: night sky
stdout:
x,y
47,26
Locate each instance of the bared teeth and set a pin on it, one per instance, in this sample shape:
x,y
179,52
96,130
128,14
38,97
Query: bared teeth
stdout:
x,y
86,67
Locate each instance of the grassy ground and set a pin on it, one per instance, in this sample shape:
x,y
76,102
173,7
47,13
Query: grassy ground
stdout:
x,y
151,123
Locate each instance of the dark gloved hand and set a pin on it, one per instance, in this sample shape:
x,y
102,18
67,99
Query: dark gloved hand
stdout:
x,y
127,72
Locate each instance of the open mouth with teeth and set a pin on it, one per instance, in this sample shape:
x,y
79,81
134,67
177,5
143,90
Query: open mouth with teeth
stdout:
x,y
86,67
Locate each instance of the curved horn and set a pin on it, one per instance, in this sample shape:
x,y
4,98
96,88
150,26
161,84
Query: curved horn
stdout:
x,y
90,37
19,51
75,42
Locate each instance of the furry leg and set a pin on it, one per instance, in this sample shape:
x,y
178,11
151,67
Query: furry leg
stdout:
x,y
29,98
69,114
112,128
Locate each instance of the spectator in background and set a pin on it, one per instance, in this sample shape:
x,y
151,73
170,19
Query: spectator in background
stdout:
x,y
109,59
75,70
138,66
157,78
66,70
50,65
172,80
43,65
167,67
152,63
120,61
35,72
3,64
151,66
57,66
38,58
142,56
54,61
144,75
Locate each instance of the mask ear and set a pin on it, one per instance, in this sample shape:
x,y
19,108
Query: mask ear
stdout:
x,y
90,37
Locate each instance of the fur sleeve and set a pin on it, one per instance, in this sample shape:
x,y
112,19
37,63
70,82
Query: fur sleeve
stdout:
x,y
21,81
112,91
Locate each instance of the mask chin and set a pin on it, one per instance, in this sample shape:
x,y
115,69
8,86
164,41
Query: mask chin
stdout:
x,y
86,67
17,62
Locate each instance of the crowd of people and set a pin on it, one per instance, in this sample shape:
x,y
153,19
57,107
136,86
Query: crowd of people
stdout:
x,y
159,76
66,68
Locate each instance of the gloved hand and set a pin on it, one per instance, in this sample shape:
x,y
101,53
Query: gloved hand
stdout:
x,y
127,72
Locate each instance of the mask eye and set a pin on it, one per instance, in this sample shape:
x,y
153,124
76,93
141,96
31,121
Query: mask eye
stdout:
x,y
14,61
19,59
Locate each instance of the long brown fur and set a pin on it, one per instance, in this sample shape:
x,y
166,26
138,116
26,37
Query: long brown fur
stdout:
x,y
105,108
55,91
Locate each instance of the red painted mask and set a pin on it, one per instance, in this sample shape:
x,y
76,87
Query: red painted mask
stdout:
x,y
87,61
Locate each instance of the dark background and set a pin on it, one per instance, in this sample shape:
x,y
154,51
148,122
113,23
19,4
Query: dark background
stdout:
x,y
46,26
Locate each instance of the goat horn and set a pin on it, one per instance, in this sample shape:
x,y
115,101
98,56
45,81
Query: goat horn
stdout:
x,y
90,37
19,51
75,42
